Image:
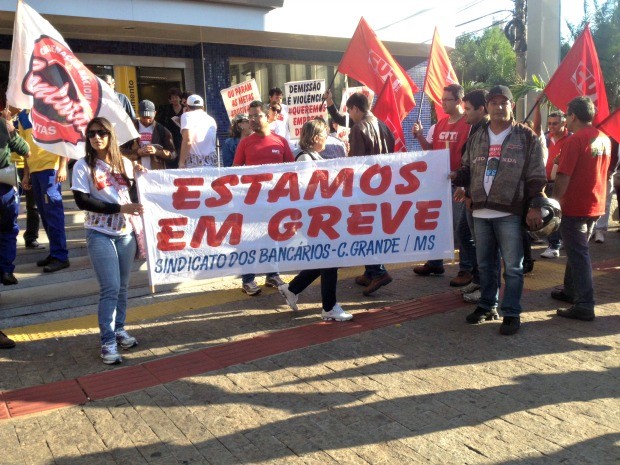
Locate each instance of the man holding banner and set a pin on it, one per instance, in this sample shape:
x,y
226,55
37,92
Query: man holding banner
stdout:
x,y
261,148
369,136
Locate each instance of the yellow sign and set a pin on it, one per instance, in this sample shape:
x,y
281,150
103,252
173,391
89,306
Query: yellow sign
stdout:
x,y
127,83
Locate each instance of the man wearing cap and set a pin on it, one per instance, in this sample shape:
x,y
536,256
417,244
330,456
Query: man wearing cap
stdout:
x,y
155,146
198,130
504,169
581,188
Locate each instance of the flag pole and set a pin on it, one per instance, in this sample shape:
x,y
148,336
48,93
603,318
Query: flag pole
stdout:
x,y
420,109
534,107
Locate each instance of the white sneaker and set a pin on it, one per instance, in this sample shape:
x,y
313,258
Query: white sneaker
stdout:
x,y
291,299
109,353
251,288
550,253
274,281
599,236
472,297
124,340
471,287
337,314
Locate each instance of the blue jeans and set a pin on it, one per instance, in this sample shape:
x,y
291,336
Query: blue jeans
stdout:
x,y
467,248
576,232
9,209
505,234
464,263
111,257
48,197
248,278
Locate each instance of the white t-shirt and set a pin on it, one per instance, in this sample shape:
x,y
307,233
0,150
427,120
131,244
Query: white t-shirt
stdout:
x,y
279,127
495,151
115,224
146,138
202,144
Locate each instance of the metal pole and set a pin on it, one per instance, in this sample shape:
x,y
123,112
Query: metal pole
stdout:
x,y
520,17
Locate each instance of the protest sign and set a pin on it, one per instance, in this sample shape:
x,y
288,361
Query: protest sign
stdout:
x,y
305,102
237,98
209,222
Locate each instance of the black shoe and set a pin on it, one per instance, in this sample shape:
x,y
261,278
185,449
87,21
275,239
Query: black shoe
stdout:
x,y
559,294
34,245
6,342
46,261
426,269
8,279
510,325
528,266
575,314
482,314
56,265
376,283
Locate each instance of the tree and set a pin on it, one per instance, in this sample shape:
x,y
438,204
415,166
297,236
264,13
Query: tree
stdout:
x,y
487,59
604,19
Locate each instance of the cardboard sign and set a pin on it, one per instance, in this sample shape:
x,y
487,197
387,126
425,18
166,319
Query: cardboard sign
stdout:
x,y
305,102
237,98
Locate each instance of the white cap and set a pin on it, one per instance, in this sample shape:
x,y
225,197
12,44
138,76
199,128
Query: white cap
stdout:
x,y
195,101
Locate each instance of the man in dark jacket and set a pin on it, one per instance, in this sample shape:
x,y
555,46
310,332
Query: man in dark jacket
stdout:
x,y
504,168
368,136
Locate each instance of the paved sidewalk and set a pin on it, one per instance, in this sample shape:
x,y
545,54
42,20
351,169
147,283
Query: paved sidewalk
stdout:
x,y
430,390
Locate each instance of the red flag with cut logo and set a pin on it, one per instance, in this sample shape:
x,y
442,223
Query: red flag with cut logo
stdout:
x,y
439,74
62,94
611,125
385,109
367,60
579,74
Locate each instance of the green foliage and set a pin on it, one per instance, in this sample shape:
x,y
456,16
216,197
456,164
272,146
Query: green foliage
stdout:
x,y
487,59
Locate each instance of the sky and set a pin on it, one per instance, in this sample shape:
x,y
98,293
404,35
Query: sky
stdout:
x,y
398,21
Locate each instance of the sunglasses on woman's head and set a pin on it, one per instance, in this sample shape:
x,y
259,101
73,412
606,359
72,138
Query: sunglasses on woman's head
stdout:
x,y
97,132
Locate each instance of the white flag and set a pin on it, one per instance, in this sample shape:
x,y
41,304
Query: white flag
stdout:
x,y
61,93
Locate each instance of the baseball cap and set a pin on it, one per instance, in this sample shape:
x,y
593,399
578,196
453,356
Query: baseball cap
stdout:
x,y
146,108
195,101
499,91
240,117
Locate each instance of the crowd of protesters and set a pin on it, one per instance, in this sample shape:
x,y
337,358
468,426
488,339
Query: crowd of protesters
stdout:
x,y
504,177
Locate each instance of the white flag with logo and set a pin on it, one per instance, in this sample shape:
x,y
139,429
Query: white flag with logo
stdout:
x,y
61,93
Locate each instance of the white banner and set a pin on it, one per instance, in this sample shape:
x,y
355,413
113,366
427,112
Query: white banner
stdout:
x,y
61,93
208,222
237,98
305,102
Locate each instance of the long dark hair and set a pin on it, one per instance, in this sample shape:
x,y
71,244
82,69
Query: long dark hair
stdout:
x,y
116,158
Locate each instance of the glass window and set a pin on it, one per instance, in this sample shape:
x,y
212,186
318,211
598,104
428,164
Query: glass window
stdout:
x,y
270,74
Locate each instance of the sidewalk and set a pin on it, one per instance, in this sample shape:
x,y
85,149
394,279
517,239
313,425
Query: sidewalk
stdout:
x,y
411,383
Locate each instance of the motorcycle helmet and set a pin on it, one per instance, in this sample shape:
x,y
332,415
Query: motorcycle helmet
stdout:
x,y
551,216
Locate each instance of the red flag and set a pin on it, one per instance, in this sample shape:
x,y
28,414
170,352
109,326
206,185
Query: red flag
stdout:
x,y
611,125
439,74
579,74
367,60
385,109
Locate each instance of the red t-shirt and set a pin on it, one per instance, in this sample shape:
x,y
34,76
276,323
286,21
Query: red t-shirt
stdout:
x,y
262,150
453,135
585,158
554,150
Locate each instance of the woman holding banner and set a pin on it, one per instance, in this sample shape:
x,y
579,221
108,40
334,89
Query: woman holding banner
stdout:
x,y
101,186
312,141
